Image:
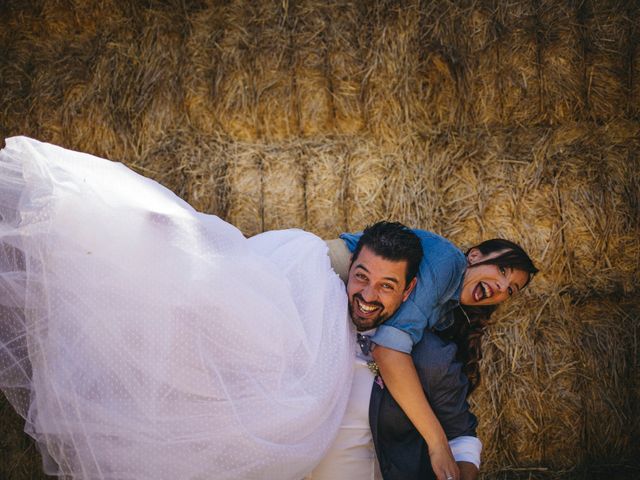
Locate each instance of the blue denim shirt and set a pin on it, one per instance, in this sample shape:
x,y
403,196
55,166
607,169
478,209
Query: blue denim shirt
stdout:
x,y
431,303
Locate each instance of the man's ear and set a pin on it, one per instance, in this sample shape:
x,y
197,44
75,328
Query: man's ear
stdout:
x,y
409,289
474,256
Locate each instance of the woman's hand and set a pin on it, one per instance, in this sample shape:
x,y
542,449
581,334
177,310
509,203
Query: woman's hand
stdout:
x,y
442,462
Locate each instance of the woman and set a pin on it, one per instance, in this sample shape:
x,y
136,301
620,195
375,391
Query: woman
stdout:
x,y
401,450
448,281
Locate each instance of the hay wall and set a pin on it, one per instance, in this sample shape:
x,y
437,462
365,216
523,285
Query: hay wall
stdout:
x,y
470,118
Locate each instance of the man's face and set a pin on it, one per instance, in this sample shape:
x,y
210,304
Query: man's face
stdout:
x,y
489,284
376,288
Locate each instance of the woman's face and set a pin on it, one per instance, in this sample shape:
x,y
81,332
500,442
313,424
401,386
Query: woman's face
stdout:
x,y
489,284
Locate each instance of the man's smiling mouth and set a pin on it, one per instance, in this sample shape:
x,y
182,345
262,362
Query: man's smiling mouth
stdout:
x,y
366,308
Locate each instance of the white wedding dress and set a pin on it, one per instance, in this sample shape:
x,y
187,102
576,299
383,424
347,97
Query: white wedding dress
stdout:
x,y
141,339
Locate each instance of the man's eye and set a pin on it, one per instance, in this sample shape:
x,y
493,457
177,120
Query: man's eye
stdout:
x,y
387,286
502,271
510,290
361,276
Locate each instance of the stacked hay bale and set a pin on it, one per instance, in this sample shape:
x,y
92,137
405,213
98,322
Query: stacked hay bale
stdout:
x,y
345,66
473,119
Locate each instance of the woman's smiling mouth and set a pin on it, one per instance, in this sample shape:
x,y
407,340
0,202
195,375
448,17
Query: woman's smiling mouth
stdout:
x,y
482,291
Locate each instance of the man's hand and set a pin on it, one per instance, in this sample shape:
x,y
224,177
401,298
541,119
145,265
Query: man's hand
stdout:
x,y
468,471
443,464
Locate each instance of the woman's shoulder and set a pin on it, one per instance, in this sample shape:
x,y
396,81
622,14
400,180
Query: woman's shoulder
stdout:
x,y
441,257
434,243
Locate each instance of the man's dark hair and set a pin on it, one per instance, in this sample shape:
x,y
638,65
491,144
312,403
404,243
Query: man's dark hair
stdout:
x,y
392,241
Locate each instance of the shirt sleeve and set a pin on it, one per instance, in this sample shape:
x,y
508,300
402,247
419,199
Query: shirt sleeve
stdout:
x,y
466,449
393,338
351,239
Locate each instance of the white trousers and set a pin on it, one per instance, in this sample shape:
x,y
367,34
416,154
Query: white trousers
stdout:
x,y
352,455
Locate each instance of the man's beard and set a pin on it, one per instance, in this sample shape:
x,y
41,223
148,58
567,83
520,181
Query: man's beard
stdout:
x,y
364,324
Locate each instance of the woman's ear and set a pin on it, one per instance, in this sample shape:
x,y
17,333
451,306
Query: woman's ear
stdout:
x,y
474,256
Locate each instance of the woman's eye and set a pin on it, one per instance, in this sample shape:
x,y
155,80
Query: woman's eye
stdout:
x,y
510,290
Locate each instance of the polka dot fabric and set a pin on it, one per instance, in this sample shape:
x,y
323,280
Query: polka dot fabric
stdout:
x,y
141,339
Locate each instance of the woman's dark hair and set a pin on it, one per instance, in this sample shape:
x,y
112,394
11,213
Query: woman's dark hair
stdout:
x,y
470,322
513,256
392,241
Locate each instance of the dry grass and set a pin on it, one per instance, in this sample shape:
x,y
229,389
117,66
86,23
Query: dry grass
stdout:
x,y
326,186
606,39
470,118
562,70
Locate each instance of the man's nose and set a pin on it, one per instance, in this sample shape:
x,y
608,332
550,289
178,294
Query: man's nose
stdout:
x,y
369,294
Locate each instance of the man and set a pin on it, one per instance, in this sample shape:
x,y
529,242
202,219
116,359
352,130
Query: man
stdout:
x,y
380,278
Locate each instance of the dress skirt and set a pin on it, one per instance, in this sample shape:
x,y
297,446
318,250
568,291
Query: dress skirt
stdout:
x,y
141,339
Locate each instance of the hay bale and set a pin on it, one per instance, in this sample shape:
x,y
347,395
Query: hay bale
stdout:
x,y
161,161
597,181
326,162
366,169
518,74
390,72
312,71
528,406
634,103
447,61
562,83
55,77
234,88
34,70
273,72
203,165
607,375
607,36
483,101
412,197
457,171
283,187
203,67
345,64
159,78
132,95
63,66
245,188
16,69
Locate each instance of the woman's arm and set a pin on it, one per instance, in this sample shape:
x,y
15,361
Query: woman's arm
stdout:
x,y
401,378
